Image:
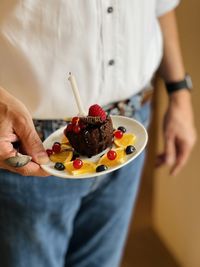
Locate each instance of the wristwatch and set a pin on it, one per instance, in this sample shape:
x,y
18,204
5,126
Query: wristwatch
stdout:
x,y
186,83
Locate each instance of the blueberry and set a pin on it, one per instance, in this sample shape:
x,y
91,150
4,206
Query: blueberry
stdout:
x,y
122,128
101,168
130,149
59,166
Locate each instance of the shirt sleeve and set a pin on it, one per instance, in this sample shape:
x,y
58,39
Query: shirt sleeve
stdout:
x,y
164,6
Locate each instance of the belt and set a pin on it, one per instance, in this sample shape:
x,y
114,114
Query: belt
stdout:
x,y
124,108
127,107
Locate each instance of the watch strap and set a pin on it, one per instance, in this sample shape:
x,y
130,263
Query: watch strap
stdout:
x,y
179,85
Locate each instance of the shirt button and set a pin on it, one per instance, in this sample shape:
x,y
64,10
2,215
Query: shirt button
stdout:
x,y
110,9
111,62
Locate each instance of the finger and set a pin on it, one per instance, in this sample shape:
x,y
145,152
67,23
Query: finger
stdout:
x,y
31,169
31,142
183,152
170,151
6,139
10,137
6,150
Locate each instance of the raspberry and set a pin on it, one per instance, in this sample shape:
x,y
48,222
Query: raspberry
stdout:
x,y
97,111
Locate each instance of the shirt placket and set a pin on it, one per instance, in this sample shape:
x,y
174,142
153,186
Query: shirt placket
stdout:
x,y
109,43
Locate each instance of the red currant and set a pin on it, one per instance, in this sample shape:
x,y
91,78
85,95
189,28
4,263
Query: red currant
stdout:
x,y
69,127
49,152
76,129
118,134
56,147
111,155
75,120
77,163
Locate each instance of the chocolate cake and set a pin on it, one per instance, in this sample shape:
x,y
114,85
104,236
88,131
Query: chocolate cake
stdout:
x,y
90,135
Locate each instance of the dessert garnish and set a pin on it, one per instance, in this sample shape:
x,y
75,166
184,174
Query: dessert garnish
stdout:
x,y
126,140
63,156
49,152
97,111
122,128
59,166
101,168
113,158
130,149
56,148
111,155
87,167
118,134
68,159
77,163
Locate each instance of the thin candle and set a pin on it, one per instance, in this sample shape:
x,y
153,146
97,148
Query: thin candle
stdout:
x,y
76,93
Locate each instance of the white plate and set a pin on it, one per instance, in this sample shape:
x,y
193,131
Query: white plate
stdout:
x,y
132,126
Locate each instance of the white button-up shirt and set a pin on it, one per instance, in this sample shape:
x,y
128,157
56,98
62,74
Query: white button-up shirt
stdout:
x,y
113,47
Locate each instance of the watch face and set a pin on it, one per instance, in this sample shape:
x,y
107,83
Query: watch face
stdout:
x,y
188,81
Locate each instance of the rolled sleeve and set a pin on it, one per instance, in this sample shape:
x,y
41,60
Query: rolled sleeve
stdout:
x,y
164,6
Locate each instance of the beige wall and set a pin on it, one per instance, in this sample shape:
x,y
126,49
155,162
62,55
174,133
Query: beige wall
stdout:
x,y
176,209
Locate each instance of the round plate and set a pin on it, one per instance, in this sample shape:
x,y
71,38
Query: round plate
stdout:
x,y
132,126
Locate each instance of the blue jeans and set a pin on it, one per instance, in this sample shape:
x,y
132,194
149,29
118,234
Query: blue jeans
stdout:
x,y
52,222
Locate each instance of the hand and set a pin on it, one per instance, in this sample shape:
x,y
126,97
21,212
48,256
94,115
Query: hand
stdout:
x,y
16,124
179,132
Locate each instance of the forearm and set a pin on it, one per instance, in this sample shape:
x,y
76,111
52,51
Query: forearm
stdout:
x,y
178,121
172,67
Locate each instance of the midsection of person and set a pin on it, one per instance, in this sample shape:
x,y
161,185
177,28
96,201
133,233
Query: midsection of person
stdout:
x,y
112,53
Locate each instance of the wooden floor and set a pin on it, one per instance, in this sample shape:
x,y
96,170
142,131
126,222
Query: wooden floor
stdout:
x,y
144,248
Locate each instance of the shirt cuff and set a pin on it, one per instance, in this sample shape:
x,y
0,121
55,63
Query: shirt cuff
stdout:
x,y
164,6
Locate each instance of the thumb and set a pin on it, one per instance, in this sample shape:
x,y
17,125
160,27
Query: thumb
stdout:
x,y
31,143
